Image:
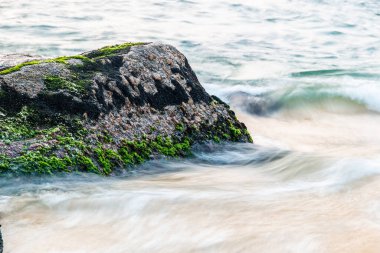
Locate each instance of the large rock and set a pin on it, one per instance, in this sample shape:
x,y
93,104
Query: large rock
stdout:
x,y
1,242
105,109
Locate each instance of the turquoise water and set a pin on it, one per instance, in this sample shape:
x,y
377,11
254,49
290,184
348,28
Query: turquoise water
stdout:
x,y
304,75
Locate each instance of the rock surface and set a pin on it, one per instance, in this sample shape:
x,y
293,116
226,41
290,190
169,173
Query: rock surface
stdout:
x,y
106,109
1,242
9,60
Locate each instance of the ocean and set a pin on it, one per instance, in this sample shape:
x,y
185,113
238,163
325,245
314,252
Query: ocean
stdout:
x,y
303,75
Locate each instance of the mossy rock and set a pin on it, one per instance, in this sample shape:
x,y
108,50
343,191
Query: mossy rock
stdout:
x,y
106,110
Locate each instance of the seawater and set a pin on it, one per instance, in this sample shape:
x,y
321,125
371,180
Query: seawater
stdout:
x,y
304,75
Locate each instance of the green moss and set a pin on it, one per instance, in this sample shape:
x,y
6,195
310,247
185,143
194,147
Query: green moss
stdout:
x,y
85,163
18,67
136,152
226,136
110,50
235,132
4,163
62,60
13,131
103,160
102,52
80,155
216,139
80,78
17,127
70,142
108,159
105,137
77,154
170,147
180,127
54,83
44,161
35,162
129,158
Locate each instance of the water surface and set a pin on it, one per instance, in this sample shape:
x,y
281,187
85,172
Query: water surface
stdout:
x,y
304,75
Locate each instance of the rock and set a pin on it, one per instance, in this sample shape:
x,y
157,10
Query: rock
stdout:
x,y
1,242
106,109
9,60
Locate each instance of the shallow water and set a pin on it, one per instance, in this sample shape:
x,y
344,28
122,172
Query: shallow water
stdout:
x,y
304,76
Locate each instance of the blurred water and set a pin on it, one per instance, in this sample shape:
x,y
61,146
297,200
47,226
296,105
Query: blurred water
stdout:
x,y
304,75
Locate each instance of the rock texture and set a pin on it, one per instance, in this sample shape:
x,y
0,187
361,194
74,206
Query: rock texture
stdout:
x,y
106,109
1,242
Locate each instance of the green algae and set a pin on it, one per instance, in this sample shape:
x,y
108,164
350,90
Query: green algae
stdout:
x,y
88,58
235,132
81,76
216,139
62,60
54,83
110,50
60,149
104,51
18,67
180,127
83,157
63,150
18,127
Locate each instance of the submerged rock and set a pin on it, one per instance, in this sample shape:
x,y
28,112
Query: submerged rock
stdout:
x,y
106,109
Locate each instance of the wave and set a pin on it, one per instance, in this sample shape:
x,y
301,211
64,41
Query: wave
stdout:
x,y
309,100
306,99
320,72
336,73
